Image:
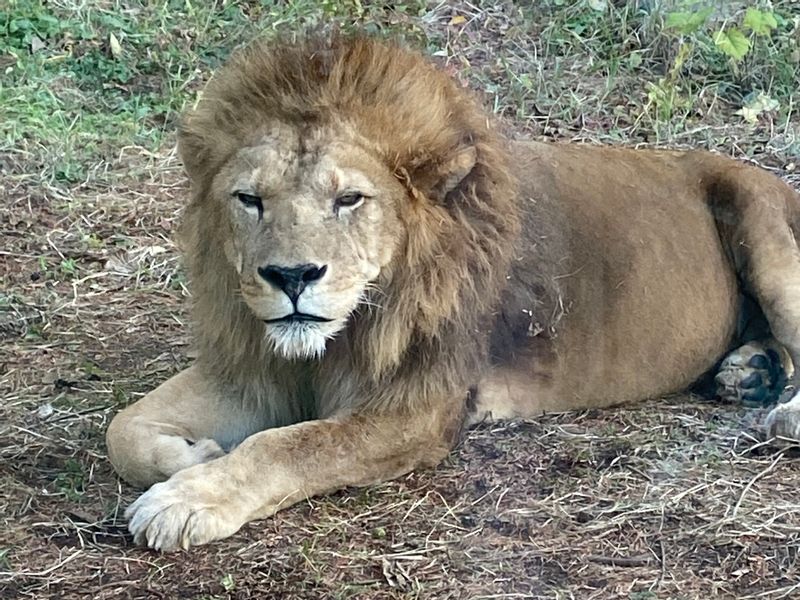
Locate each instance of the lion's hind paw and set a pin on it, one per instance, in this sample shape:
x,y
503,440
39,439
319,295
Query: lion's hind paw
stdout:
x,y
752,375
783,421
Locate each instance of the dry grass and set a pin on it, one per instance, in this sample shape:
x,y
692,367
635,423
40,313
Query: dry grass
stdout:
x,y
676,498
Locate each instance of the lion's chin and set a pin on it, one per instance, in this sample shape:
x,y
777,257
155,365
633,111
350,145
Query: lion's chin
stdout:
x,y
300,340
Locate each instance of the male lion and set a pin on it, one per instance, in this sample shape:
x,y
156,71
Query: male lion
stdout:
x,y
373,263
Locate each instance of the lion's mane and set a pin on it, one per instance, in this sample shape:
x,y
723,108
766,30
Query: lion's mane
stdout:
x,y
429,335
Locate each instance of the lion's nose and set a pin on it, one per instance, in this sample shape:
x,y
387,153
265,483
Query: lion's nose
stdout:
x,y
292,280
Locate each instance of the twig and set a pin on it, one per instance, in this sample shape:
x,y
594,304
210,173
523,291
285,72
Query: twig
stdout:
x,y
640,560
753,480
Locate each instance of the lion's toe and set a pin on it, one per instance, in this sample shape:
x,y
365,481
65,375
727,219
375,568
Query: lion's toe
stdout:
x,y
752,375
177,513
205,450
174,453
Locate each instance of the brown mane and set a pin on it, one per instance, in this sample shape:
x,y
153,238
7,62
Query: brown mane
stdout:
x,y
437,300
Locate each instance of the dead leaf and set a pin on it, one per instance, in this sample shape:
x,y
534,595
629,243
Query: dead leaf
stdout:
x,y
44,410
37,44
114,45
756,106
396,576
457,20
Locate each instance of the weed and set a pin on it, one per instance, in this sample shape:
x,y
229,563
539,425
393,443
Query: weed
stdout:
x,y
68,267
735,47
228,583
71,480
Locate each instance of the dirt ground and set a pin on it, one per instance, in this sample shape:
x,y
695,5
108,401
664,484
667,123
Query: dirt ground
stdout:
x,y
673,498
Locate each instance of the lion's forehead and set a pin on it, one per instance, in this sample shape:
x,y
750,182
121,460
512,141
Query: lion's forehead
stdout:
x,y
318,166
266,165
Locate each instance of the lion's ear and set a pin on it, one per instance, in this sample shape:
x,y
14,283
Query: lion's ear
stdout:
x,y
453,171
191,149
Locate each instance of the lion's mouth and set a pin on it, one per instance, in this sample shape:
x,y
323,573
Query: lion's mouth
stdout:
x,y
298,317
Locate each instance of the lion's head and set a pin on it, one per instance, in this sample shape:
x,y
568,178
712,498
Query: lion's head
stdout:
x,y
312,222
340,184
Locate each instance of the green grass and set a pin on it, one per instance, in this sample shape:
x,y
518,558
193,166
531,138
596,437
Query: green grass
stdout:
x,y
70,480
637,62
85,82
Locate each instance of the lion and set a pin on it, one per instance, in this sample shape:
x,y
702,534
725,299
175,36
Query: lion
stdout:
x,y
375,265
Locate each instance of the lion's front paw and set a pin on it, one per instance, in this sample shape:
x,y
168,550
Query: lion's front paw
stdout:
x,y
783,421
186,510
173,453
752,375
204,450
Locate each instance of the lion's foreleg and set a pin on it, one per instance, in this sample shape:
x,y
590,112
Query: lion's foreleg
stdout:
x,y
183,422
276,468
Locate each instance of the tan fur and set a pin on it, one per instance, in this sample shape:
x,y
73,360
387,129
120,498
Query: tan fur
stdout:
x,y
479,276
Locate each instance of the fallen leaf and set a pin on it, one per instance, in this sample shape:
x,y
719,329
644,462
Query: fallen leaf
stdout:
x,y
44,410
116,47
37,44
759,104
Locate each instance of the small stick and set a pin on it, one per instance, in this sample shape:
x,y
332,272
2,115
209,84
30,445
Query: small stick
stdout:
x,y
640,560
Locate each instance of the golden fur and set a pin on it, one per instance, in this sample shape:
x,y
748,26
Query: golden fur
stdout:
x,y
476,278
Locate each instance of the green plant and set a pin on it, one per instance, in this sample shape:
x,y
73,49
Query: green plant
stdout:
x,y
71,480
733,49
227,582
732,40
68,267
666,94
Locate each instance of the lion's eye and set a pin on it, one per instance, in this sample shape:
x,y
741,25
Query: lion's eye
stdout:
x,y
251,201
349,200
248,199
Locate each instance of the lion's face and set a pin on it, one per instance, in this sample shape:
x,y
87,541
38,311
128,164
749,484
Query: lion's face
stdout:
x,y
313,222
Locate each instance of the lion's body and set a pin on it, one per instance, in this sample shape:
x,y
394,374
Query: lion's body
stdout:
x,y
620,332
449,274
